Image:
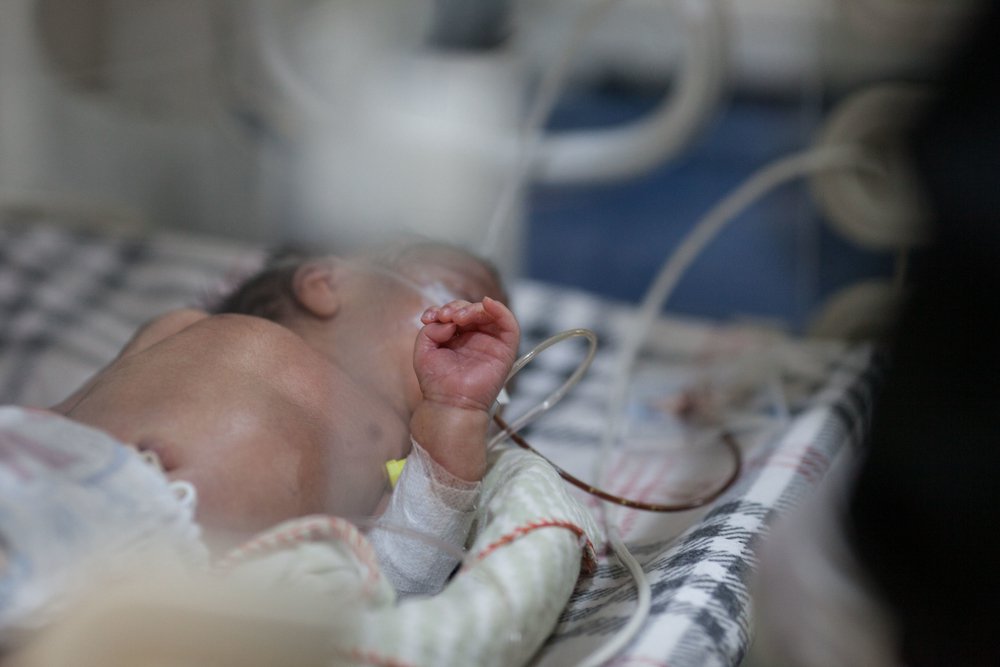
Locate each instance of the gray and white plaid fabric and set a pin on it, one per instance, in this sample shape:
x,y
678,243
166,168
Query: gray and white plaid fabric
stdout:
x,y
70,299
699,562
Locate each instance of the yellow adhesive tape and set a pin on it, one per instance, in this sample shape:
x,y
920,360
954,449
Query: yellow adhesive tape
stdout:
x,y
395,469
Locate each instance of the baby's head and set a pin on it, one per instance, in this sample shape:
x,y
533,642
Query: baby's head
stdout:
x,y
437,272
363,311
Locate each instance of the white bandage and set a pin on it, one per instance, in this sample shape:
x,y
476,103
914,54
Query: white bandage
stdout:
x,y
428,501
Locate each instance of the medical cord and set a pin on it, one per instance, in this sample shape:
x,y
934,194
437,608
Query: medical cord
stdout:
x,y
756,186
531,133
644,598
704,232
727,439
555,396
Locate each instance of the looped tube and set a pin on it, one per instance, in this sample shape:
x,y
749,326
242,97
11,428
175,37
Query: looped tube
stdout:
x,y
727,438
561,391
511,430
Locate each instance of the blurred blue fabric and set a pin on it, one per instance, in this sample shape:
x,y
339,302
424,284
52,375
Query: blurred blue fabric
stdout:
x,y
777,262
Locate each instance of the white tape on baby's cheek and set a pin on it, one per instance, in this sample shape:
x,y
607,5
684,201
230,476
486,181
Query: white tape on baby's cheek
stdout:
x,y
434,295
437,293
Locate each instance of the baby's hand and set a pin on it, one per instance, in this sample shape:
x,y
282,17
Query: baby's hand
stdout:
x,y
464,353
462,358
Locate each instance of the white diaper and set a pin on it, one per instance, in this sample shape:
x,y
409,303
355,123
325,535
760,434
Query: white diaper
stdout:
x,y
77,506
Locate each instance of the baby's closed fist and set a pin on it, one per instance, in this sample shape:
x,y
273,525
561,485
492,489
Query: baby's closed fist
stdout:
x,y
464,353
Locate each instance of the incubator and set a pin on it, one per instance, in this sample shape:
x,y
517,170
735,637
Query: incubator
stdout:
x,y
358,121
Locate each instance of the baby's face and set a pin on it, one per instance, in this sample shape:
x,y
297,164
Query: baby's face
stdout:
x,y
380,297
260,424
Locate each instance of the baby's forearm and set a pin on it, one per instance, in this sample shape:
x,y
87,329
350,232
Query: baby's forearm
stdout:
x,y
454,437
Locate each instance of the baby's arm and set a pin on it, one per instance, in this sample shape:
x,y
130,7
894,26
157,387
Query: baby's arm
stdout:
x,y
462,358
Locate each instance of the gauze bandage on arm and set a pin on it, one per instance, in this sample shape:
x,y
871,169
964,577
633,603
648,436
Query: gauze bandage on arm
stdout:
x,y
427,501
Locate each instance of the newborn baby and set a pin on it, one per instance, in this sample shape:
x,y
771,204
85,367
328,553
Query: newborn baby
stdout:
x,y
362,313
337,366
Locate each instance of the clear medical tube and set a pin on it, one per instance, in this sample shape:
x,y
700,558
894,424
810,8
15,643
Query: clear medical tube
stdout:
x,y
619,152
704,232
531,132
644,600
560,392
759,184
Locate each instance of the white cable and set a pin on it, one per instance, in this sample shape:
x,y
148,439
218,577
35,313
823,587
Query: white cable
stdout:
x,y
700,236
619,152
758,184
642,606
556,395
531,134
623,151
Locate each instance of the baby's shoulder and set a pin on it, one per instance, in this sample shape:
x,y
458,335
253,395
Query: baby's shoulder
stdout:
x,y
247,339
162,327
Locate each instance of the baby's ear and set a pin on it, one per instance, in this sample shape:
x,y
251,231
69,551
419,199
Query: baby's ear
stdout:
x,y
315,287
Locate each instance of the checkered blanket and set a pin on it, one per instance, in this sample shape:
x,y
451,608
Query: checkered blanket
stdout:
x,y
698,562
69,299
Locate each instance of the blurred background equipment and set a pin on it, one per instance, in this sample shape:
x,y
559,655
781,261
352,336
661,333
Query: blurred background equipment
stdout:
x,y
341,121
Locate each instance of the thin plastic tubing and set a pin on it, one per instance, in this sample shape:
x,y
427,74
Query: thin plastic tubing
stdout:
x,y
727,439
704,232
558,394
596,155
620,152
644,593
760,183
531,132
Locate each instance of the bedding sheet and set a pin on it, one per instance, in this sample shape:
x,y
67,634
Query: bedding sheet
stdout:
x,y
70,298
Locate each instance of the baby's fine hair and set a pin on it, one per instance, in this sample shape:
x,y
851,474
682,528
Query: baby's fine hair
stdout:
x,y
269,293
